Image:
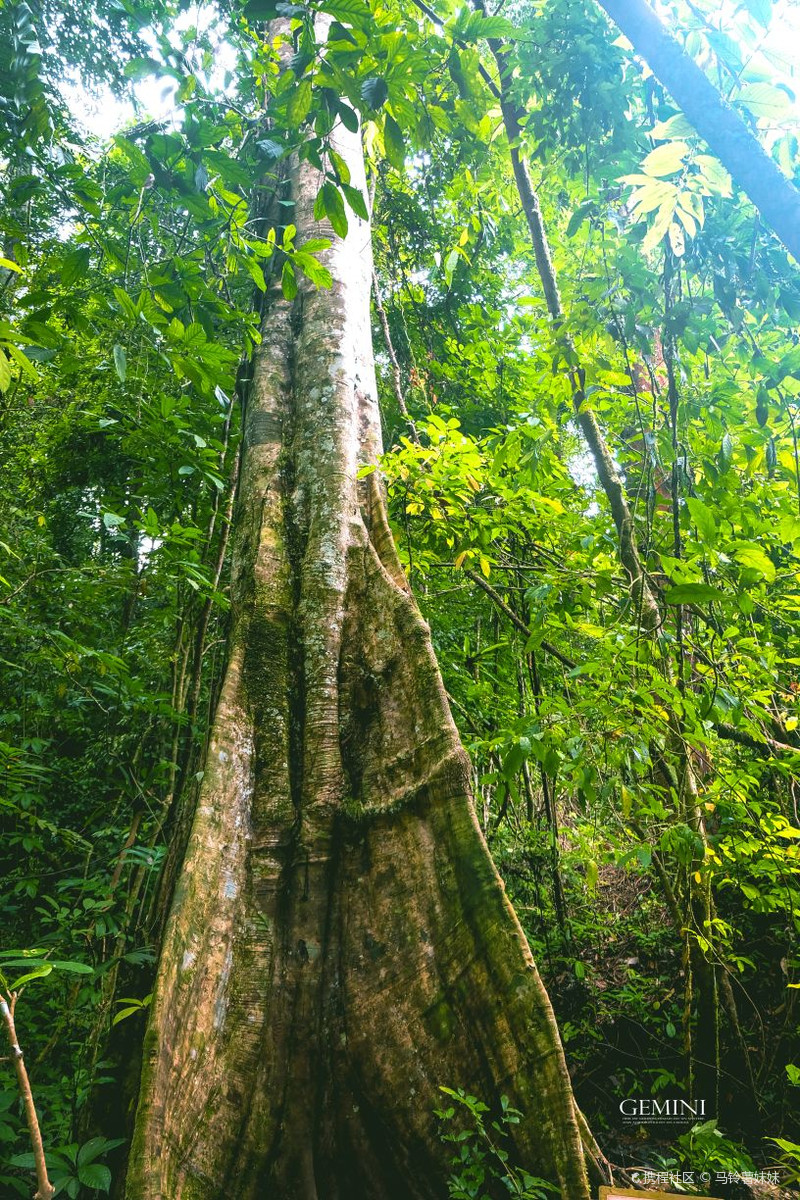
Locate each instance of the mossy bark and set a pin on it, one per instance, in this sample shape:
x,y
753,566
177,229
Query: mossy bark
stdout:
x,y
339,942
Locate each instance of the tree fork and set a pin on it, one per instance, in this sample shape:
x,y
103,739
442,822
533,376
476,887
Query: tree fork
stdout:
x,y
339,942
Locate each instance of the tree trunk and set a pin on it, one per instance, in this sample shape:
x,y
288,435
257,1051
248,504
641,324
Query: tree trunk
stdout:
x,y
340,943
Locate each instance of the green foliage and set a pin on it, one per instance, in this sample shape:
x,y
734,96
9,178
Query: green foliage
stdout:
x,y
74,1167
132,281
706,1149
481,1160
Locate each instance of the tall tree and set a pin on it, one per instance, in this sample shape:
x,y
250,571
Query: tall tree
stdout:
x,y
340,943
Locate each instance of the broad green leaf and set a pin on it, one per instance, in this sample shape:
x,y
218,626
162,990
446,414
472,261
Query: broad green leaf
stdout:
x,y
693,593
329,203
756,559
677,126
726,451
355,198
127,305
299,103
714,174
354,11
665,159
288,281
96,1146
764,100
374,91
40,972
703,518
394,143
96,1176
121,362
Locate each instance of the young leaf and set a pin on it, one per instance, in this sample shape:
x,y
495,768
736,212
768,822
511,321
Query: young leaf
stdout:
x,y
5,372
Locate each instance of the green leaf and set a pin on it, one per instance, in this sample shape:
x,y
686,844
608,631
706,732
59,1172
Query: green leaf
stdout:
x,y
23,359
355,198
676,126
394,143
450,264
764,100
96,1146
703,518
665,159
186,89
761,10
96,1176
127,305
329,203
288,281
714,174
40,972
354,11
299,103
140,68
577,218
374,91
726,451
134,156
756,559
348,116
120,362
5,372
125,1012
693,593
261,10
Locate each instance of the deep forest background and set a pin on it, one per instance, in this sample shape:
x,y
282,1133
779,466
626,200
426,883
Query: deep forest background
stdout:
x,y
131,272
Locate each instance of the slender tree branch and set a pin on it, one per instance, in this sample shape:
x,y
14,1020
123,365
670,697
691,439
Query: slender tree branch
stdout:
x,y
437,20
397,382
44,1188
515,619
765,746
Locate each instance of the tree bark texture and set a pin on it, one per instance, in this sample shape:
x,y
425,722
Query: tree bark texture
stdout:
x,y
339,943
